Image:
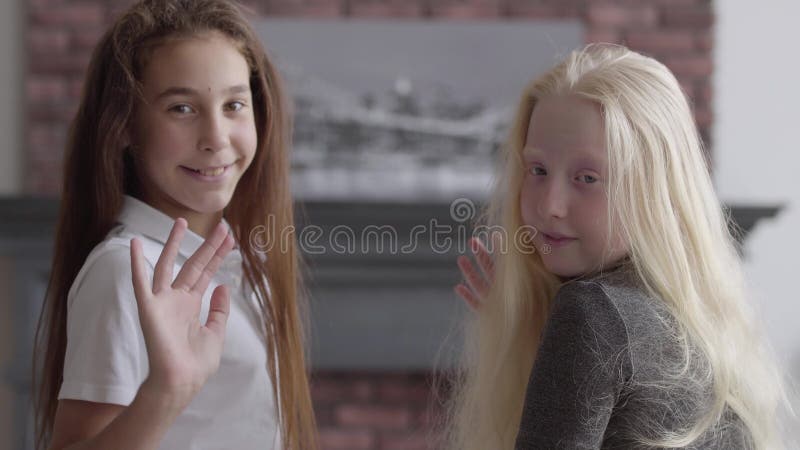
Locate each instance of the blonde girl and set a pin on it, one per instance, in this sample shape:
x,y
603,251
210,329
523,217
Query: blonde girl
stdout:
x,y
627,325
181,126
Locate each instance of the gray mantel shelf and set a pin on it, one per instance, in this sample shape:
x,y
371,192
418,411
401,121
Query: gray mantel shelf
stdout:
x,y
369,310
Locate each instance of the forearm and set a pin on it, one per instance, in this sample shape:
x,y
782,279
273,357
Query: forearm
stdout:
x,y
141,426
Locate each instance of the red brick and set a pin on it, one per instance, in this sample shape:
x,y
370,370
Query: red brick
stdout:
x,y
75,88
465,10
324,415
326,392
602,35
32,4
689,17
661,41
44,177
428,418
554,7
609,14
61,112
251,7
87,38
117,8
63,63
46,136
48,89
690,65
703,116
704,41
73,13
329,388
421,440
362,390
338,439
45,40
377,416
519,10
300,8
706,92
674,3
688,89
393,9
392,391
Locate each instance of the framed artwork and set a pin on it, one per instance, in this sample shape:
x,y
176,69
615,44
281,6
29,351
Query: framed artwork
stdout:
x,y
405,110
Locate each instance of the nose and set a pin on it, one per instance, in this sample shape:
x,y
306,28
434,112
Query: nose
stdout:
x,y
553,201
212,135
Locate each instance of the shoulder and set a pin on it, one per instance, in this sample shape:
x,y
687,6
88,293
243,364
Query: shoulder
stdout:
x,y
644,314
586,301
583,313
585,336
108,265
613,306
651,328
622,292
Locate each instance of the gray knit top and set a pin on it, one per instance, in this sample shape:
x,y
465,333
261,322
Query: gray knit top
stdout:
x,y
600,376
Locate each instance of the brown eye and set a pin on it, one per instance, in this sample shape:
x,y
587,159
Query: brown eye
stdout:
x,y
182,109
235,106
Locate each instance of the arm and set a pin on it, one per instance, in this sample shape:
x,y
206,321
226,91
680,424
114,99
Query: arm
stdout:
x,y
181,352
580,368
82,425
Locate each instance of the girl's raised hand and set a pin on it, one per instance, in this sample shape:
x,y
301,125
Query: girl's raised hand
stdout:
x,y
477,281
181,351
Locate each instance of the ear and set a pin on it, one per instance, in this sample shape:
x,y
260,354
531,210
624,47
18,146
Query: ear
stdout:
x,y
127,142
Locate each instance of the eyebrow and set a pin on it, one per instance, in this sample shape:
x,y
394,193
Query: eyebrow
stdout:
x,y
528,151
180,90
583,159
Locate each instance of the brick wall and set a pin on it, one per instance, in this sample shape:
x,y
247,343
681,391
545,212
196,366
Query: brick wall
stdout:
x,y
61,34
356,410
365,411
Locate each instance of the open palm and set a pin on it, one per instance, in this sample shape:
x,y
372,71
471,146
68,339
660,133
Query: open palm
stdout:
x,y
477,282
182,352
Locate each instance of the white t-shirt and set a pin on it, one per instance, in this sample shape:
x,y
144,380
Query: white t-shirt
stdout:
x,y
106,358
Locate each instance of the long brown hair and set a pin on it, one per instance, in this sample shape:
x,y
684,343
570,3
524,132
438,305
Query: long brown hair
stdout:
x,y
98,171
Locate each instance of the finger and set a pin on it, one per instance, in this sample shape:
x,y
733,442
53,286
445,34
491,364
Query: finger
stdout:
x,y
468,296
485,261
219,310
212,266
497,241
193,267
162,274
473,278
141,287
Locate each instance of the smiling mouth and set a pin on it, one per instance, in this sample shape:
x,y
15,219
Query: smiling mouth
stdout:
x,y
210,171
557,239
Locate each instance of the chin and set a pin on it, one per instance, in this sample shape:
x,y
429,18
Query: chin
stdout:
x,y
566,273
210,203
564,269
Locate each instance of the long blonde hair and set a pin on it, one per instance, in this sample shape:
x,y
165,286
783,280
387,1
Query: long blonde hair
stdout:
x,y
680,247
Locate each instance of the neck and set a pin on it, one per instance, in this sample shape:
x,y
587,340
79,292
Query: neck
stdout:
x,y
608,267
199,223
202,224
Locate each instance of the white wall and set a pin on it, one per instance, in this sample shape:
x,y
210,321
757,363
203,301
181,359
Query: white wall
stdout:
x,y
11,108
757,150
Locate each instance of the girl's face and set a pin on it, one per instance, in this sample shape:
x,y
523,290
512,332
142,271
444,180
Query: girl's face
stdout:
x,y
194,135
563,190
